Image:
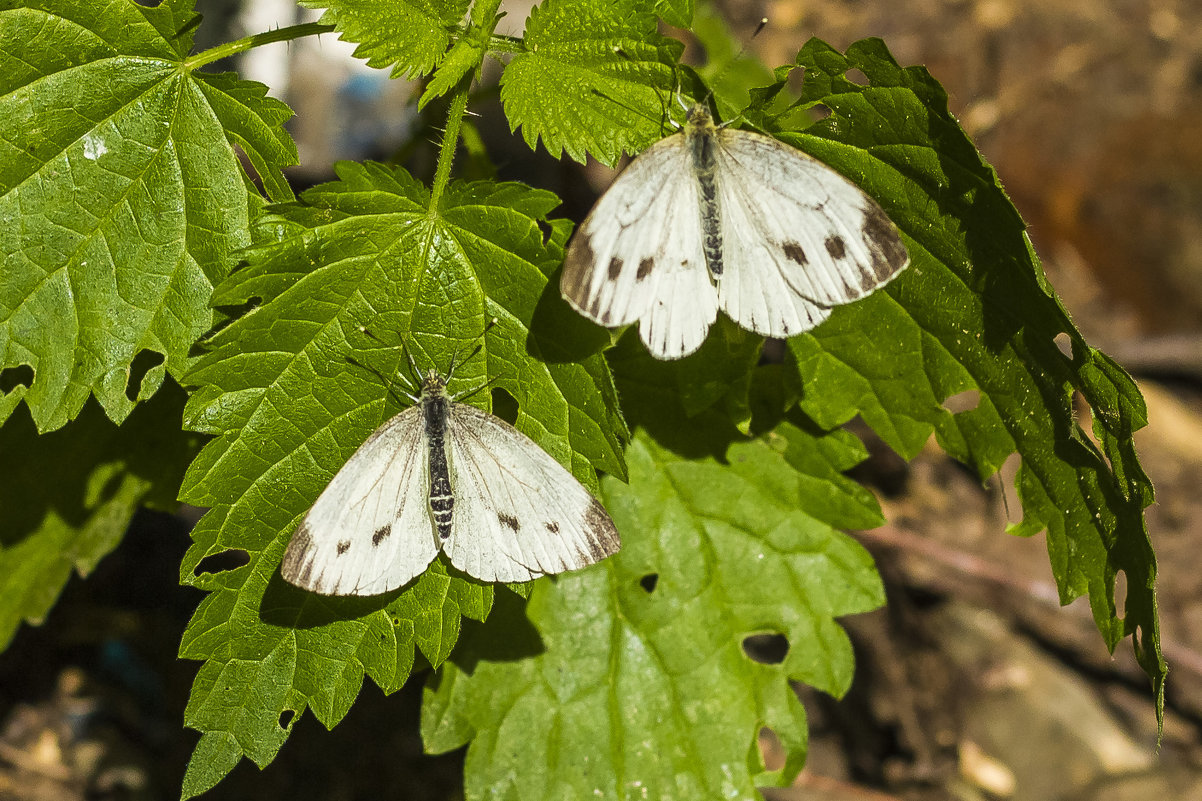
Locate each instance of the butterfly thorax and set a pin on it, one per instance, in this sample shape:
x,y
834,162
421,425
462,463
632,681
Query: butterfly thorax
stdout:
x,y
436,406
701,136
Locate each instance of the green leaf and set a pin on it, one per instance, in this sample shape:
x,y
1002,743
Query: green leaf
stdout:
x,y
640,685
410,36
716,378
68,499
593,79
466,55
121,196
975,313
292,388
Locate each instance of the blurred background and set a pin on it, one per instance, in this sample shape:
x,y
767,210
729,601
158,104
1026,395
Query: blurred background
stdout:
x,y
973,683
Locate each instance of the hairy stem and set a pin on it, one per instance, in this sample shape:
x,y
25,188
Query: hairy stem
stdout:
x,y
267,37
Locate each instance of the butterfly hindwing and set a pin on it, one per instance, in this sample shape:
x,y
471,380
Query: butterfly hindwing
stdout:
x,y
370,530
519,514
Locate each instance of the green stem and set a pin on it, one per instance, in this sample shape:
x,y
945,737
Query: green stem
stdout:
x,y
450,140
484,19
267,37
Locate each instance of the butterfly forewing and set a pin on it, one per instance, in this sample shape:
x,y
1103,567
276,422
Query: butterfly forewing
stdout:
x,y
519,514
370,530
787,213
639,252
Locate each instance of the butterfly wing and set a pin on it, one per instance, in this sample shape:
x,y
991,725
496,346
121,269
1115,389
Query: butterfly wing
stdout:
x,y
797,237
518,513
370,530
638,255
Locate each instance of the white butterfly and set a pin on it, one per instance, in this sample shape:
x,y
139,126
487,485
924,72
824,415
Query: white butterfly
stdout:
x,y
442,475
717,218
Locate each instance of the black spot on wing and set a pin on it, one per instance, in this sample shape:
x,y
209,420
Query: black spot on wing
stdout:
x,y
615,268
343,546
885,246
381,534
795,253
553,527
645,267
835,246
509,520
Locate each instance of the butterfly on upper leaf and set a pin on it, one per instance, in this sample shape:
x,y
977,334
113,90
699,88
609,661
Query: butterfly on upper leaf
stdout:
x,y
719,218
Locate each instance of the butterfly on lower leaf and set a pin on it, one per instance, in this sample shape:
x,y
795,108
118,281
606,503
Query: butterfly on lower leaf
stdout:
x,y
445,476
719,218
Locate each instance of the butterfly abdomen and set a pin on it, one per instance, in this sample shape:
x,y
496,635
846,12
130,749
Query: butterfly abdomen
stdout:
x,y
435,408
702,140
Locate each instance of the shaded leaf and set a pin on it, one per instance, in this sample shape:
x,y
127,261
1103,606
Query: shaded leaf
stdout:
x,y
975,313
67,497
640,686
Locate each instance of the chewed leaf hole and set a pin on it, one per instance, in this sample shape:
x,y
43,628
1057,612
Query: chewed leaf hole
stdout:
x,y
767,649
1065,343
143,363
772,751
12,377
649,581
504,405
286,718
964,401
221,562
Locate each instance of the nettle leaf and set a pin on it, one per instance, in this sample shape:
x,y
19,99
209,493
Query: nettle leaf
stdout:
x,y
68,499
121,196
974,313
640,686
593,79
291,389
410,36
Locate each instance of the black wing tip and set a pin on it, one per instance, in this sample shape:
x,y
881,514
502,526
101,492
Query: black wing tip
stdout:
x,y
888,252
603,537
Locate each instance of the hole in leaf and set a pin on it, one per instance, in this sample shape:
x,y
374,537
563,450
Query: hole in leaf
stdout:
x,y
286,718
221,562
1120,593
12,377
649,581
964,401
545,229
795,80
1065,343
504,405
143,363
772,752
856,76
767,649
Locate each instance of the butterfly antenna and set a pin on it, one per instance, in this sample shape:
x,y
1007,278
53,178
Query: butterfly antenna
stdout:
x,y
742,51
408,387
478,342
